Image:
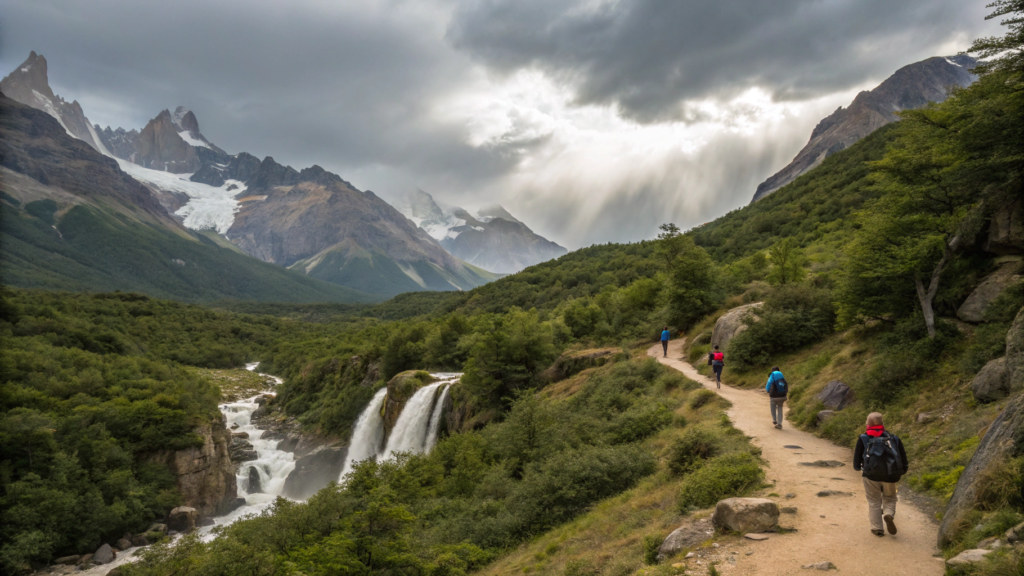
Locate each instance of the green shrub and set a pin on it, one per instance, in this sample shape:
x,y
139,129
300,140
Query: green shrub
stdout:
x,y
639,422
701,397
581,567
698,444
721,477
793,315
651,545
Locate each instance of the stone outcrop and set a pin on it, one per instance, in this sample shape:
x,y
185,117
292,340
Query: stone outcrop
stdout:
x,y
1015,353
824,415
314,471
744,515
686,536
836,395
160,147
242,450
205,475
182,519
400,389
1006,230
968,557
572,363
973,308
992,382
104,555
731,323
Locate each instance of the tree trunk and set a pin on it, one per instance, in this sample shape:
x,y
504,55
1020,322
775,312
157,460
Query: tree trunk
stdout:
x,y
927,295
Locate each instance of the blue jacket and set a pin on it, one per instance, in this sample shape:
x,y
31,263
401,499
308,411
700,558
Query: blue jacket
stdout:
x,y
776,375
664,335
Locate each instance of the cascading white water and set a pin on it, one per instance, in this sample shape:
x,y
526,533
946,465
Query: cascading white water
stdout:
x,y
410,432
435,420
271,465
368,435
415,431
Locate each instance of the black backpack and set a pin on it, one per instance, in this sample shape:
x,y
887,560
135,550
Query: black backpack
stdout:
x,y
711,356
882,458
779,388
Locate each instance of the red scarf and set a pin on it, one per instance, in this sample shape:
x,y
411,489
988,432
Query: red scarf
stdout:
x,y
875,431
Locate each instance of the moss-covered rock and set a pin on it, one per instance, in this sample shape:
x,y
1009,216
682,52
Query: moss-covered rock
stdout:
x,y
400,389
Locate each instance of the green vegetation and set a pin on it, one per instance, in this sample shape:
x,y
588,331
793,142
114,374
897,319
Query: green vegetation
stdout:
x,y
93,250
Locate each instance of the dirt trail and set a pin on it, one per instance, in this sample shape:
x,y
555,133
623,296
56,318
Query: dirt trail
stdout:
x,y
832,528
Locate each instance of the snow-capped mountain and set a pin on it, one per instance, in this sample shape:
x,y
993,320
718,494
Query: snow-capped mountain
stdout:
x,y
310,220
492,239
30,85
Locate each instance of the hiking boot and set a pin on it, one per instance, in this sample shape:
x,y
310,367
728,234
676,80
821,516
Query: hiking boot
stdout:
x,y
889,524
779,426
878,533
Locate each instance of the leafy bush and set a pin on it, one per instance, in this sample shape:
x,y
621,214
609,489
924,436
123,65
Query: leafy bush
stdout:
x,y
651,545
721,477
701,397
793,315
698,444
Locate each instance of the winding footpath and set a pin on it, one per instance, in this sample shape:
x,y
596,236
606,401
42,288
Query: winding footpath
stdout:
x,y
828,528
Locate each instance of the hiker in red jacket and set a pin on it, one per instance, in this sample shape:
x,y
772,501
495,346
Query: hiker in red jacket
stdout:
x,y
882,461
717,363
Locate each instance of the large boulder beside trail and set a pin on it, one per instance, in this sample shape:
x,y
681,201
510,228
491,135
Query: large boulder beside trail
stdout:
x,y
1015,353
731,324
836,395
1008,274
182,519
992,382
968,557
688,535
743,515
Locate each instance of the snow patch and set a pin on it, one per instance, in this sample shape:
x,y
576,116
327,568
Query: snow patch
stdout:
x,y
953,63
99,143
25,69
187,137
208,208
50,109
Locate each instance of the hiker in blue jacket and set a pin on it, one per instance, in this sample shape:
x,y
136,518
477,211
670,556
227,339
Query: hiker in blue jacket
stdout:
x,y
664,340
777,389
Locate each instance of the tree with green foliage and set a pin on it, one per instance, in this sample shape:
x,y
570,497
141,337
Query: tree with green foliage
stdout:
x,y
787,263
693,292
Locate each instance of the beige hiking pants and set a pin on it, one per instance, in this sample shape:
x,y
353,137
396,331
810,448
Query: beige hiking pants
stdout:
x,y
881,500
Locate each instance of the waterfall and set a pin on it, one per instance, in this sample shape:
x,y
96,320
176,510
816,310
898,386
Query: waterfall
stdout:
x,y
435,420
410,433
259,481
368,435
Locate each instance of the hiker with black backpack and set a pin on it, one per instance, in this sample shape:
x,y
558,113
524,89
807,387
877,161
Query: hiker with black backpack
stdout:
x,y
777,389
882,460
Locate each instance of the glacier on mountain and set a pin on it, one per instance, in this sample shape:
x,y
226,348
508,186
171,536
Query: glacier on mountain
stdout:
x,y
208,207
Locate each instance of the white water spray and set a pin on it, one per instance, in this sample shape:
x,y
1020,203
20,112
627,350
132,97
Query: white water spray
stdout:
x,y
410,433
368,435
435,420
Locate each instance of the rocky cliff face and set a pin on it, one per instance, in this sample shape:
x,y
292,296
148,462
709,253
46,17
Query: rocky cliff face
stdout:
x,y
493,239
29,84
205,475
912,86
316,222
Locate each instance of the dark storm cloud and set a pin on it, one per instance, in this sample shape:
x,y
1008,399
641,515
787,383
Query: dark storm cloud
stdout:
x,y
340,84
649,56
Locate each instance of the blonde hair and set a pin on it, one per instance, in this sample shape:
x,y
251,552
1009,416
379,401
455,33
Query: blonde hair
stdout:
x,y
874,419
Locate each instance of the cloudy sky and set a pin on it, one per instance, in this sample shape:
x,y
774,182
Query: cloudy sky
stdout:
x,y
591,120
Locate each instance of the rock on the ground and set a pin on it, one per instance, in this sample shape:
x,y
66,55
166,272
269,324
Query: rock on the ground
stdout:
x,y
973,308
824,415
823,566
990,543
182,519
104,555
992,382
824,464
925,417
1015,534
314,471
140,540
825,493
242,451
744,515
997,445
755,537
836,395
788,510
1006,230
124,544
242,435
686,536
967,557
67,560
731,324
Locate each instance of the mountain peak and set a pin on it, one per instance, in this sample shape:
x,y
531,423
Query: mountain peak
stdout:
x,y
30,76
496,211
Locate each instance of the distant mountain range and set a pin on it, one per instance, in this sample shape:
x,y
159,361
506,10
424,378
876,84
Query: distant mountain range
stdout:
x,y
311,221
912,86
493,239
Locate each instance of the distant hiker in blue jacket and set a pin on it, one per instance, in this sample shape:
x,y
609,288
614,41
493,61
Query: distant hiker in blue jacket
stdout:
x,y
664,340
777,389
